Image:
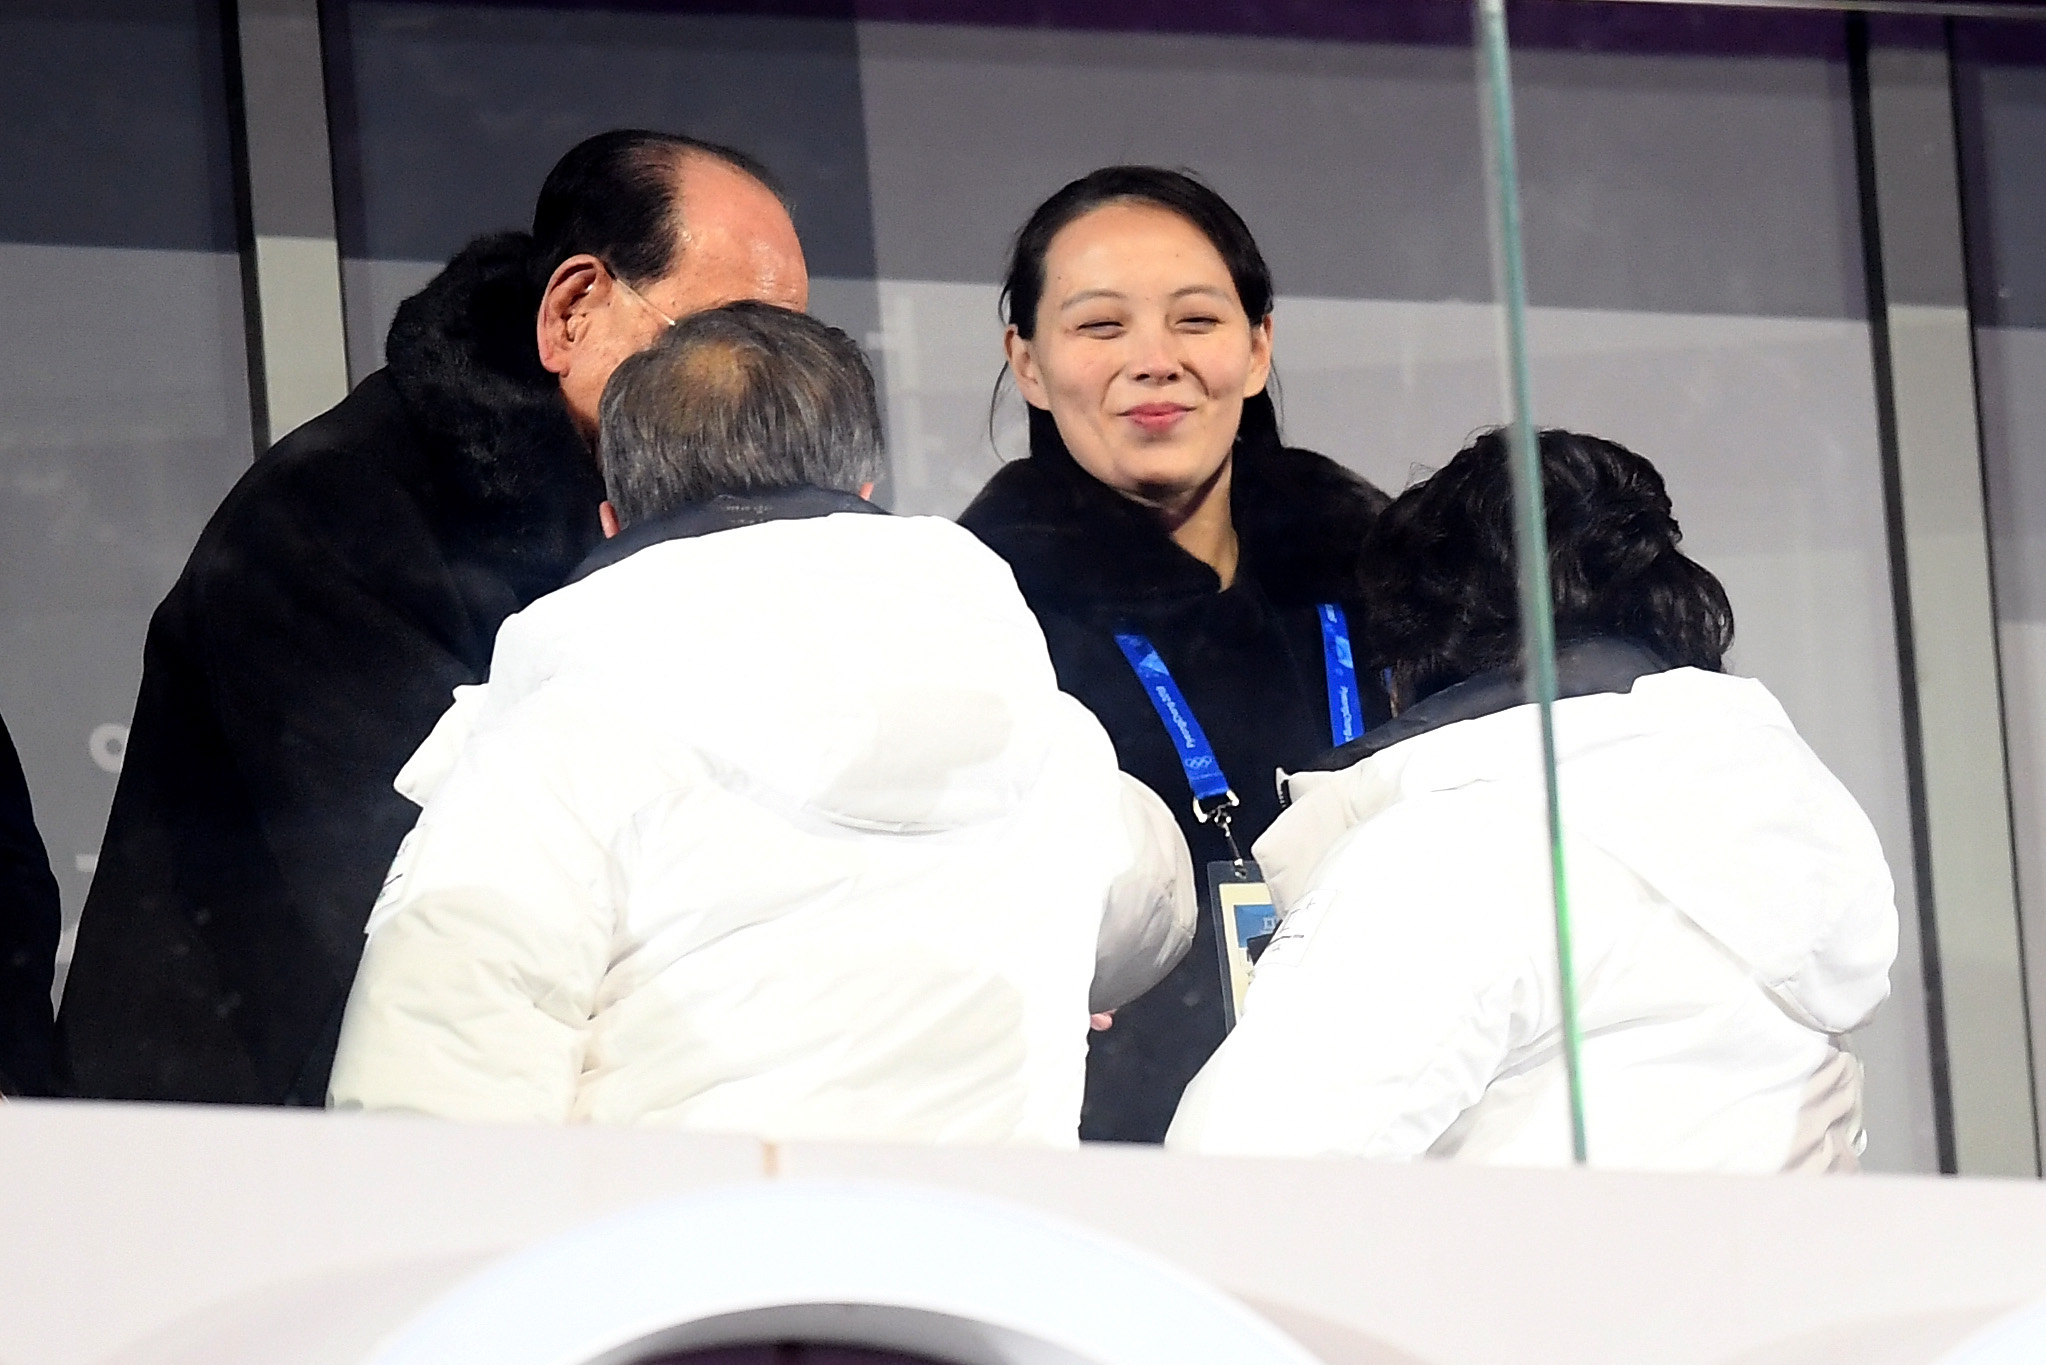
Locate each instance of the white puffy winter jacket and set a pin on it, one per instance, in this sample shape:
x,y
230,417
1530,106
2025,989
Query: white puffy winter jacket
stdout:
x,y
785,829
1732,917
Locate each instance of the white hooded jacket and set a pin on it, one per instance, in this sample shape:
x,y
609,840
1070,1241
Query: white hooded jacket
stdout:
x,y
785,829
1732,919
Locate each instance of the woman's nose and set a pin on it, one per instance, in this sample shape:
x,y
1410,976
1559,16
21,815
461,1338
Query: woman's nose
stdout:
x,y
1156,360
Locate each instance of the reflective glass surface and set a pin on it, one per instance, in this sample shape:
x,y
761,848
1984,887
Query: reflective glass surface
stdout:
x,y
2000,108
915,140
124,409
1691,231
1708,270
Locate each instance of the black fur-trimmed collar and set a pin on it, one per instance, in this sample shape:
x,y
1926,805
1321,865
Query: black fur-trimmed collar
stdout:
x,y
1072,542
461,353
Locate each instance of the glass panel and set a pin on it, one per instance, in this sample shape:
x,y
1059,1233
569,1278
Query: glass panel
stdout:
x,y
1691,224
2000,85
1691,241
124,408
447,117
1537,609
915,141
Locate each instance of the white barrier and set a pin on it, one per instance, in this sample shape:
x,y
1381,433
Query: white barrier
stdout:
x,y
139,1235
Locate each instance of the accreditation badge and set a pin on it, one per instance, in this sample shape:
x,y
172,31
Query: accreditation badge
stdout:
x,y
1245,920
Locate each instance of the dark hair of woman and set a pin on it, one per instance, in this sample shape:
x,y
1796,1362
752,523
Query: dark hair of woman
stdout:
x,y
1438,572
1176,192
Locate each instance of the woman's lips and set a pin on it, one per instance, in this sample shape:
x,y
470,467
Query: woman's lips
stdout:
x,y
1157,417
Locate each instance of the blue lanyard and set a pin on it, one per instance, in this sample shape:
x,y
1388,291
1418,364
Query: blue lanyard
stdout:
x,y
1345,705
1213,798
1196,755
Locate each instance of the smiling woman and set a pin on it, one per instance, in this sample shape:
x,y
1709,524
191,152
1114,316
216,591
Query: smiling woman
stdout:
x,y
1160,527
1145,361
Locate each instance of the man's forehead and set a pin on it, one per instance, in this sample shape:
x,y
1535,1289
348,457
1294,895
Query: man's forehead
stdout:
x,y
707,186
734,240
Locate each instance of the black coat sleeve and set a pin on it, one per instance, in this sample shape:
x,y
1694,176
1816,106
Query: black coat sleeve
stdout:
x,y
29,918
315,638
332,647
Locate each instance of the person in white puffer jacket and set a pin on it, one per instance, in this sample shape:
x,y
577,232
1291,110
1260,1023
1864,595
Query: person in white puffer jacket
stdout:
x,y
1732,915
774,819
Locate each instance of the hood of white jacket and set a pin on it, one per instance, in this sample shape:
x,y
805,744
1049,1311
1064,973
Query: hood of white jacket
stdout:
x,y
1698,784
935,711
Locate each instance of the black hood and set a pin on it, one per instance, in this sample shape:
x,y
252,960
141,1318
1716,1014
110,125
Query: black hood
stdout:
x,y
463,357
1073,542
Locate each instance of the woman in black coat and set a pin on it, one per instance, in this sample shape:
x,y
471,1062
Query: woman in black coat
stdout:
x,y
1159,519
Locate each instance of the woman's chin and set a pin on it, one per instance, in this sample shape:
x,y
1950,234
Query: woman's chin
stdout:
x,y
1165,490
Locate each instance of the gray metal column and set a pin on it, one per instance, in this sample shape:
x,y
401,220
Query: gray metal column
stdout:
x,y
304,350
1924,351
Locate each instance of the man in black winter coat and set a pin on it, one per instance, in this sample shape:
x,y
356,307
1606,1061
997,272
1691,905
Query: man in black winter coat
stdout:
x,y
352,579
28,936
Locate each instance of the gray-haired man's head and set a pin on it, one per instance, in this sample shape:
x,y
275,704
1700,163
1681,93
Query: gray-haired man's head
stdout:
x,y
740,399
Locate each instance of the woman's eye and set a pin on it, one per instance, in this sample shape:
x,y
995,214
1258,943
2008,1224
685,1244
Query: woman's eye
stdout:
x,y
1200,322
1101,327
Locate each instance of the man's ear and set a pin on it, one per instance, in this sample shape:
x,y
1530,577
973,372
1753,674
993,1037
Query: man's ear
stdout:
x,y
572,290
607,517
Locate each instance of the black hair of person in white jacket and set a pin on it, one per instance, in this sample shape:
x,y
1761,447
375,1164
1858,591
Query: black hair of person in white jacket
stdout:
x,y
1733,919
774,819
1159,499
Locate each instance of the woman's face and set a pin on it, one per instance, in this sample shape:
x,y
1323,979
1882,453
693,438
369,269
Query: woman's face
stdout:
x,y
1143,353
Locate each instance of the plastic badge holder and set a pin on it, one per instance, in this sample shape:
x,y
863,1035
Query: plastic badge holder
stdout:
x,y
1245,920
